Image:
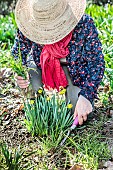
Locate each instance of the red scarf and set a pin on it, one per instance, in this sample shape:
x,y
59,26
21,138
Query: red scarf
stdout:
x,y
53,75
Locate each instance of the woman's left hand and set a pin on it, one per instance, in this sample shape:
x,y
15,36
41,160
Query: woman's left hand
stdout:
x,y
82,109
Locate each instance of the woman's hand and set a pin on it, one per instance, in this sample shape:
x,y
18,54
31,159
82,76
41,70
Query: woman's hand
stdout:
x,y
82,109
21,82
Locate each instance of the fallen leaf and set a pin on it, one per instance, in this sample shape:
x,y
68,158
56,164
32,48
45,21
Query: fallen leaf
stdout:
x,y
6,122
21,107
108,165
77,167
1,74
109,113
106,88
3,111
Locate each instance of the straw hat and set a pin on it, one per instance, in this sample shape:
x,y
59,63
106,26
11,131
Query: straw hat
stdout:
x,y
48,21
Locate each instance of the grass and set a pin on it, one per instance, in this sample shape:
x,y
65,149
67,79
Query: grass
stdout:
x,y
87,147
13,160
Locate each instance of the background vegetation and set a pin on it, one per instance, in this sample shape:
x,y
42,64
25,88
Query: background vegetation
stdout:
x,y
7,6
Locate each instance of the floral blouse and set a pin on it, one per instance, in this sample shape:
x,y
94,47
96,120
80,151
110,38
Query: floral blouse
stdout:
x,y
85,62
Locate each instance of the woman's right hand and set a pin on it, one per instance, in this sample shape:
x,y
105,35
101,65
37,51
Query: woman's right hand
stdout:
x,y
21,82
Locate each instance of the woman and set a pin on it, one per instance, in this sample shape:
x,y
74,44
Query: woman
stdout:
x,y
64,43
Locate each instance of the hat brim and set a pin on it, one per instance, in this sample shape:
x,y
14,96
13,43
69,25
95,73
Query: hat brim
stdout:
x,y
48,33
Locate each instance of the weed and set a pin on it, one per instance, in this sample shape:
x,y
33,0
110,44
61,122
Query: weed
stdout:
x,y
88,150
14,161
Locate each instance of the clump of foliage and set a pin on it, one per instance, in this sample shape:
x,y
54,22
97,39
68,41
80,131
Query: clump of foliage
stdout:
x,y
7,30
13,160
89,151
48,117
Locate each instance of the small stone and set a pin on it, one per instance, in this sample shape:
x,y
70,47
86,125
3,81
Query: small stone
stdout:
x,y
6,123
108,164
76,167
36,159
111,112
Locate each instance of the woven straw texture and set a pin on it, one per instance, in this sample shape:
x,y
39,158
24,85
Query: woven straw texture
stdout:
x,y
48,21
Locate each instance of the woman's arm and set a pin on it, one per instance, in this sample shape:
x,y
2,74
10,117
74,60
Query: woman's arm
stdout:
x,y
24,44
86,65
86,61
92,54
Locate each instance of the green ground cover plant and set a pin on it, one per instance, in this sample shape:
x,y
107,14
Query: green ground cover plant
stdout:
x,y
7,30
13,160
7,34
89,150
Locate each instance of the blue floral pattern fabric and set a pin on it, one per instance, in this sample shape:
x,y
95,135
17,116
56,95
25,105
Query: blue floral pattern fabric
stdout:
x,y
85,62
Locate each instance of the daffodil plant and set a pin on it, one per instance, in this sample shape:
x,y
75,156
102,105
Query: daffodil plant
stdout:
x,y
47,117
